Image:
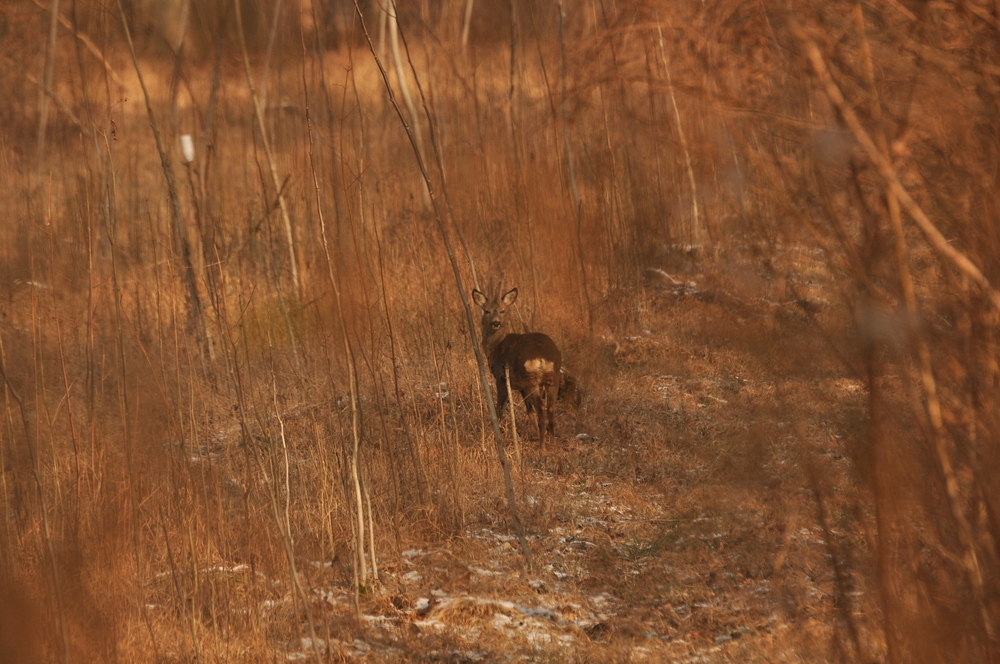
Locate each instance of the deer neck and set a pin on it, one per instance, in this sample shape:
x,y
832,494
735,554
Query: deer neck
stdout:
x,y
492,340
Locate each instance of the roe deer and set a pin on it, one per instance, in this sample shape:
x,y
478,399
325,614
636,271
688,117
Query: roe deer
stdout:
x,y
532,359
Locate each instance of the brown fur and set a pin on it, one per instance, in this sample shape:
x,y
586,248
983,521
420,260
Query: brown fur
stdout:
x,y
533,361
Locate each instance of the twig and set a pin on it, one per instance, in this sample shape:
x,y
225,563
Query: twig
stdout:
x,y
885,168
85,40
268,154
404,88
513,420
60,104
357,477
283,518
696,217
49,71
43,507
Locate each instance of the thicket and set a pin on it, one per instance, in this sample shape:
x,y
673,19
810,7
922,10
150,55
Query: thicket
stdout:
x,y
260,356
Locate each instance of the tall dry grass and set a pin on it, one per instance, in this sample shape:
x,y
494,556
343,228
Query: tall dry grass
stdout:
x,y
180,417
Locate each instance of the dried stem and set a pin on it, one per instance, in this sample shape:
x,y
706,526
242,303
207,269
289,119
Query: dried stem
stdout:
x,y
268,154
880,157
885,168
470,321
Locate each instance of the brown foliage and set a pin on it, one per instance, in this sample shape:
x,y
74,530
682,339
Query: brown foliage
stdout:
x,y
763,237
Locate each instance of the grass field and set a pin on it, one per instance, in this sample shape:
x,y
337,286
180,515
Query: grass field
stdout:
x,y
243,417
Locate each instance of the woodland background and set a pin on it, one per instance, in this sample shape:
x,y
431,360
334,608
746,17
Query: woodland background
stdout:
x,y
241,413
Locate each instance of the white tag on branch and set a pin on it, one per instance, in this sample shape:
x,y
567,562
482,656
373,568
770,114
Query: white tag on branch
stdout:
x,y
187,147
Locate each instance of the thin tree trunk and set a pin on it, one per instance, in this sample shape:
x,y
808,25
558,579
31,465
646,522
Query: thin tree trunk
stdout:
x,y
194,300
404,90
46,86
480,359
696,230
268,154
466,22
571,167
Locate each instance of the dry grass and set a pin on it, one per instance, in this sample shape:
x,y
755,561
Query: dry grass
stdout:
x,y
781,454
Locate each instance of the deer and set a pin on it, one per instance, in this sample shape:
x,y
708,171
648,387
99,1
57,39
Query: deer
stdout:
x,y
531,360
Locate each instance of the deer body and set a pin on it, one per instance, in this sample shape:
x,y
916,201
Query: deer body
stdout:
x,y
532,361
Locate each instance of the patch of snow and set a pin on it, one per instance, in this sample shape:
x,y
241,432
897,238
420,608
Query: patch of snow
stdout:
x,y
436,625
320,564
33,284
572,539
439,390
306,643
501,621
235,569
601,599
330,597
484,572
537,613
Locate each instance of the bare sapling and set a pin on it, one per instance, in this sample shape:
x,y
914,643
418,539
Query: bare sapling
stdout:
x,y
531,360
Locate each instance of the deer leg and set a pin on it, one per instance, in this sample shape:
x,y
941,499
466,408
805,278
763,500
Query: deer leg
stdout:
x,y
551,394
501,382
541,426
529,401
540,410
533,402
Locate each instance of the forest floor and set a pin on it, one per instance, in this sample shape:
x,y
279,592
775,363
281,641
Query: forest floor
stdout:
x,y
675,518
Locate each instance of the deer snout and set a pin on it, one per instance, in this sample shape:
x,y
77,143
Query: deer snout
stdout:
x,y
495,324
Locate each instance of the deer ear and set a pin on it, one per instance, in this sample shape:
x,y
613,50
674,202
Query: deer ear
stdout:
x,y
509,297
478,298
